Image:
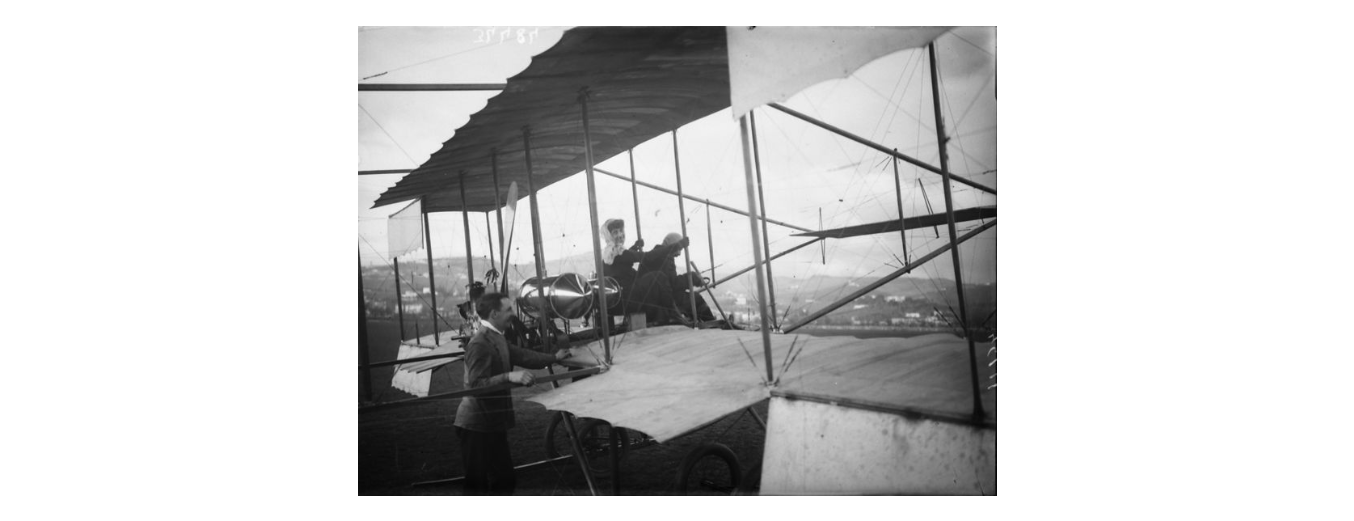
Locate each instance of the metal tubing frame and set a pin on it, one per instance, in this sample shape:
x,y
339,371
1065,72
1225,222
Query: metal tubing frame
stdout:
x,y
714,204
949,214
364,384
592,214
681,214
428,87
884,280
756,244
761,203
537,245
877,146
432,286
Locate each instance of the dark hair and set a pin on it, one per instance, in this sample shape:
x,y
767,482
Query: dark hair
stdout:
x,y
489,303
615,224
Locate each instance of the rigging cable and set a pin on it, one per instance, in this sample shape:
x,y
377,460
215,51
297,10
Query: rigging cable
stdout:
x,y
383,130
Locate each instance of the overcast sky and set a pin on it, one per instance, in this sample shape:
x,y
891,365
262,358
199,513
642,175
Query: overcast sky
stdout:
x,y
806,169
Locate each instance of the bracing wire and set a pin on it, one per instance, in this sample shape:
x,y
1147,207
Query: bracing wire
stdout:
x,y
383,131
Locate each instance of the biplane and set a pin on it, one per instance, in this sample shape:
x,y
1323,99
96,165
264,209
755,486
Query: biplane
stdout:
x,y
846,415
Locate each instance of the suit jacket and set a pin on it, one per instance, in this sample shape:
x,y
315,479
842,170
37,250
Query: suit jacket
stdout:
x,y
488,360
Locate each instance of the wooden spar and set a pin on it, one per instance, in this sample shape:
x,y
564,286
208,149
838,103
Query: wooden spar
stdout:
x,y
761,203
681,215
568,422
716,205
972,213
899,187
364,382
613,447
949,214
428,87
823,248
399,300
634,194
498,211
537,245
377,172
722,316
749,268
885,279
489,232
710,241
465,220
432,287
757,417
876,146
604,320
476,392
524,466
929,210
413,360
756,245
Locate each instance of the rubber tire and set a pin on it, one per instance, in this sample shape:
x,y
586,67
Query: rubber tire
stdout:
x,y
694,457
587,428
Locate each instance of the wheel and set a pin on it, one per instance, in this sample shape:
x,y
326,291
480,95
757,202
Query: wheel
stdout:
x,y
710,469
595,438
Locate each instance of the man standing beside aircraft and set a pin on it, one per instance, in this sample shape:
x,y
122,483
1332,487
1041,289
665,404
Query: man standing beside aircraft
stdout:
x,y
482,422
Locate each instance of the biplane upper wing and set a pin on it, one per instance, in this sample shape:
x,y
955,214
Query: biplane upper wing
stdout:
x,y
920,221
671,380
641,82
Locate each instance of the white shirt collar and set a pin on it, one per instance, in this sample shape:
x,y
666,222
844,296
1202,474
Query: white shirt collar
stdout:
x,y
491,327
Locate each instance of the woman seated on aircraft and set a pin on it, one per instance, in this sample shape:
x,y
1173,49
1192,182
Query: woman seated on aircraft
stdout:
x,y
617,261
660,292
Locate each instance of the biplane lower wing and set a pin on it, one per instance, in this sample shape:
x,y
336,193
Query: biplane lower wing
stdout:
x,y
909,223
669,381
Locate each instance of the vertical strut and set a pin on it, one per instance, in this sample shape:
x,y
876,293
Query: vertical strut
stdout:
x,y
432,286
465,221
899,186
536,243
605,321
681,214
634,194
756,245
761,202
399,297
498,210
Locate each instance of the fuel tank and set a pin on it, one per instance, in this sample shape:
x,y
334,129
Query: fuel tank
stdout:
x,y
567,295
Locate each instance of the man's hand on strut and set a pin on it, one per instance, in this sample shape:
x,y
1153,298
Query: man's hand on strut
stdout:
x,y
562,354
639,245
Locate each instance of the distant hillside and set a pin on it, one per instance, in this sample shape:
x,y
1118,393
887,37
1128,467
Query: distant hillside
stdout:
x,y
795,298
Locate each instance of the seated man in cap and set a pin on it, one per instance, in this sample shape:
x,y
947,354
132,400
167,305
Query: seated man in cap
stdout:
x,y
661,293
